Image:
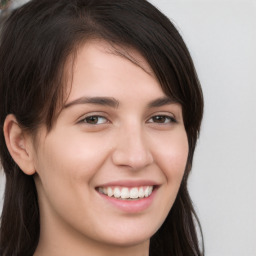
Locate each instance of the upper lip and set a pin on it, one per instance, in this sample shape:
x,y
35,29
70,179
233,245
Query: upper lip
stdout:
x,y
129,183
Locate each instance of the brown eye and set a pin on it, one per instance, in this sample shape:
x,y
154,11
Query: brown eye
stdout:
x,y
95,120
161,119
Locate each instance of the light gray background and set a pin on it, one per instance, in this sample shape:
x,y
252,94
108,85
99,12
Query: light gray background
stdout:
x,y
221,36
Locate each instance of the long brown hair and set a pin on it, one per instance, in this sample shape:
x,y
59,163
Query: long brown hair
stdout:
x,y
35,43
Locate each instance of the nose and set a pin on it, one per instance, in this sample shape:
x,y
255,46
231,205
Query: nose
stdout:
x,y
132,149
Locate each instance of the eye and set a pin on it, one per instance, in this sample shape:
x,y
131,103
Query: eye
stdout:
x,y
162,119
94,120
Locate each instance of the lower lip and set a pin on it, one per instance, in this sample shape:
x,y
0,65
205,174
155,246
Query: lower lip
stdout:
x,y
131,206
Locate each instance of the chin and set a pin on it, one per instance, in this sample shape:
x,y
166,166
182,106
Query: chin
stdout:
x,y
129,239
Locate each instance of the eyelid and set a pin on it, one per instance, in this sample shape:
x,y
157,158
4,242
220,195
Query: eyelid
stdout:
x,y
161,114
81,120
171,120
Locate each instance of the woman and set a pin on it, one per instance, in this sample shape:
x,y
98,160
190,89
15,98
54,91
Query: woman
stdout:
x,y
100,112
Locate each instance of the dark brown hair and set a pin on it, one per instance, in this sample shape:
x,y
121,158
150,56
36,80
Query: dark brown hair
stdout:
x,y
35,43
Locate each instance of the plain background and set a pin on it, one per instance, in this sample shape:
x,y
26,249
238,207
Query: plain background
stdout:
x,y
221,36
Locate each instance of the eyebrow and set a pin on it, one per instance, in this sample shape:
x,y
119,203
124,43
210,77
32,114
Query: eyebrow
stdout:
x,y
103,101
161,102
112,102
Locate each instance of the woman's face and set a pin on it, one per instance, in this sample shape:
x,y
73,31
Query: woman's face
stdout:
x,y
110,168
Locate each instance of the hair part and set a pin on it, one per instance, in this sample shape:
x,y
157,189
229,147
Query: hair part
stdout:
x,y
36,43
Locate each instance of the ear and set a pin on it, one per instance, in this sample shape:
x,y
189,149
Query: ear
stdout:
x,y
19,145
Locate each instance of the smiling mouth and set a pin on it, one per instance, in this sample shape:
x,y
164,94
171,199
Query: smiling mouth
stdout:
x,y
125,193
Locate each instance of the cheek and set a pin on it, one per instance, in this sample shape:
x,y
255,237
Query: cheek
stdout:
x,y
65,168
172,156
71,160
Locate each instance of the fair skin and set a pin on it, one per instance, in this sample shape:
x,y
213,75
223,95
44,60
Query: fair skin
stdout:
x,y
118,130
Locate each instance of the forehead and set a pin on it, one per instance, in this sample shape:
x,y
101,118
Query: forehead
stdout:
x,y
97,63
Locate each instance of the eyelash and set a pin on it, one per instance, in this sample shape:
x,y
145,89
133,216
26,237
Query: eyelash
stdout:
x,y
167,119
97,117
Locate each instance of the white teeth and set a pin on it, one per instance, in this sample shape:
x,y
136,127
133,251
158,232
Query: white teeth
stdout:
x,y
117,193
127,193
110,192
141,192
134,193
147,192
